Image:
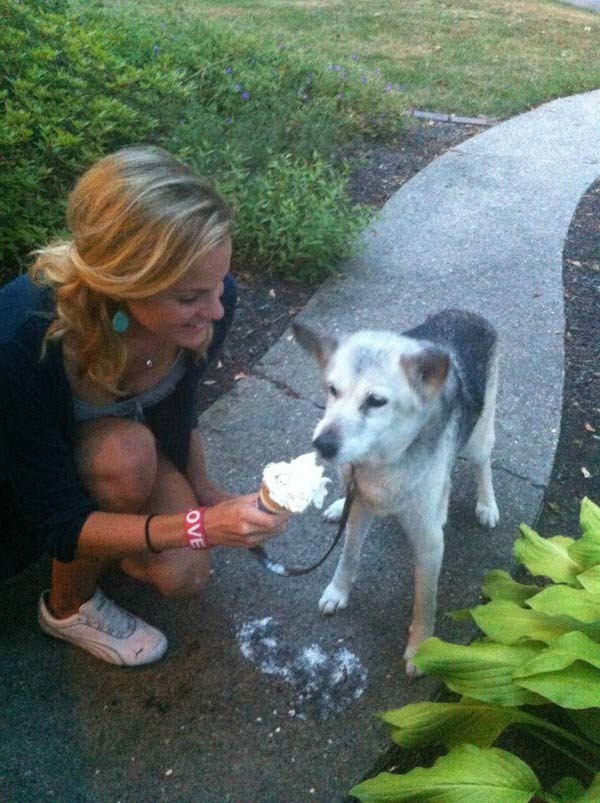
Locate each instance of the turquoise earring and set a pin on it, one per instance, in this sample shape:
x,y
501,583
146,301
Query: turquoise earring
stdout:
x,y
120,321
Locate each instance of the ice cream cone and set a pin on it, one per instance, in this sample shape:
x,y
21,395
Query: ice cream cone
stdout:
x,y
266,503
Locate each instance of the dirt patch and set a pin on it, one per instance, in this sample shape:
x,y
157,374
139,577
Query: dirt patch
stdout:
x,y
379,170
576,471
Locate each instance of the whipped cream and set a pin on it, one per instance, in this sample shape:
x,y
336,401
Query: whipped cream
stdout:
x,y
297,484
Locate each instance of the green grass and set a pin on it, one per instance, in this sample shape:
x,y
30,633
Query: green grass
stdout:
x,y
473,57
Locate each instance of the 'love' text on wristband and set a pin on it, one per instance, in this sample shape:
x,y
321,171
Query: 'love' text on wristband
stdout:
x,y
194,528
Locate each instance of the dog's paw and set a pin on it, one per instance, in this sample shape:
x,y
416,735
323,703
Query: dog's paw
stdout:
x,y
488,515
334,511
412,673
332,600
416,636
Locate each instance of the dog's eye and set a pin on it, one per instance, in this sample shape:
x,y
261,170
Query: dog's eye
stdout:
x,y
375,401
333,390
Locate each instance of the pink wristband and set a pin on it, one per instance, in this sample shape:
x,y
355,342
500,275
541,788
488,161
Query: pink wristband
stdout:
x,y
194,528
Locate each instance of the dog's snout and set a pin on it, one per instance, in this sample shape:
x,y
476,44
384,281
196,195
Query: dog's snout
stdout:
x,y
327,444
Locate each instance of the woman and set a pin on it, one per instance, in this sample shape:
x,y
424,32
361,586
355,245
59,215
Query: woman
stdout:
x,y
101,349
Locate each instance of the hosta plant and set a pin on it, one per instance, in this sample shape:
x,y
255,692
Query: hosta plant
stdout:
x,y
536,667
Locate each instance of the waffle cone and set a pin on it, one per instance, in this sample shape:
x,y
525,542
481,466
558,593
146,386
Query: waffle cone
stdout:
x,y
267,503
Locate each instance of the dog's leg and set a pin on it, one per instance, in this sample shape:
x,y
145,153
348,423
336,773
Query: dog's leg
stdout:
x,y
427,540
487,510
479,450
337,592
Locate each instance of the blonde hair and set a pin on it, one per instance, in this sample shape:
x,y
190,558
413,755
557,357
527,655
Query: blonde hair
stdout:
x,y
139,219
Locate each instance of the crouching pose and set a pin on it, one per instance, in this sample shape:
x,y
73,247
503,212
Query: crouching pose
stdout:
x,y
101,349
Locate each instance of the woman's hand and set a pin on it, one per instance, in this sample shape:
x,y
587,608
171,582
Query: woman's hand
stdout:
x,y
238,522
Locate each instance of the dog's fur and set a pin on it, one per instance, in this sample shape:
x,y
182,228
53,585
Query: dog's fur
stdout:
x,y
400,408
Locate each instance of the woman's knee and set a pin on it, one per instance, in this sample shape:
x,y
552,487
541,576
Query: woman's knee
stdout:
x,y
118,462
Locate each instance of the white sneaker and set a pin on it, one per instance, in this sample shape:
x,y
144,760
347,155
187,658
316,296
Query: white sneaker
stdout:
x,y
107,631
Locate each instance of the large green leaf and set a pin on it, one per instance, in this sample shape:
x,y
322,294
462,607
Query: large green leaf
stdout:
x,y
589,518
547,557
468,774
483,670
450,724
574,646
508,623
563,601
590,580
586,552
499,585
574,686
567,672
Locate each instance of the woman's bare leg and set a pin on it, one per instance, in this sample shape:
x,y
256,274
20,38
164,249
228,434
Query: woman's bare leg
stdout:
x,y
117,462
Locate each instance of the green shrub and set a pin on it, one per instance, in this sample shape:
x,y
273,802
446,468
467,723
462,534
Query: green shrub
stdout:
x,y
77,85
265,126
537,664
293,218
67,98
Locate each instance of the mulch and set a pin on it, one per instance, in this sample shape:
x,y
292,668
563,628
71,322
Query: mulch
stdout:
x,y
576,471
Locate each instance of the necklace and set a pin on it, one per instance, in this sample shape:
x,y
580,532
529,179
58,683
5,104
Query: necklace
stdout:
x,y
150,362
160,355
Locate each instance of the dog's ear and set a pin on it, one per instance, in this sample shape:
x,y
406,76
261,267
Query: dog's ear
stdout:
x,y
319,345
426,370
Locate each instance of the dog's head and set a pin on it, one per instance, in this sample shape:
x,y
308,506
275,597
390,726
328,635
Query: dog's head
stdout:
x,y
381,388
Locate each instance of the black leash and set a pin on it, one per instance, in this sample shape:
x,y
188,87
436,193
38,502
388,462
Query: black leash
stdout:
x,y
294,571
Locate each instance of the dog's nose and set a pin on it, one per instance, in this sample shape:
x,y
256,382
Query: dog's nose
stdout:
x,y
327,445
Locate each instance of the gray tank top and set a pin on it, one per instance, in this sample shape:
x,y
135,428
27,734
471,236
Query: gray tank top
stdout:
x,y
133,407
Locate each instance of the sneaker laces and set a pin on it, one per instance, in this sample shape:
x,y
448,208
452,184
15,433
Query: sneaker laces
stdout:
x,y
106,616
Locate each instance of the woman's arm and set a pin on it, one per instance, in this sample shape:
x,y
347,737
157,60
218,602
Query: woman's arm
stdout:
x,y
235,522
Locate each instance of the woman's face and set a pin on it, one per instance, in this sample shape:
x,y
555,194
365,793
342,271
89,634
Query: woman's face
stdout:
x,y
182,314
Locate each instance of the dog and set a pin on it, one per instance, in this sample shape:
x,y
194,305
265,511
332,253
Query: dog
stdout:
x,y
400,409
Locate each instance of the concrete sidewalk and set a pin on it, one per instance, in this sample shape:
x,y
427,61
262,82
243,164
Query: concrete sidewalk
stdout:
x,y
259,700
589,5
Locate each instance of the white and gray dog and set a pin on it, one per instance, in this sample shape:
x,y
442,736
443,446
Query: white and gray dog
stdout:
x,y
400,409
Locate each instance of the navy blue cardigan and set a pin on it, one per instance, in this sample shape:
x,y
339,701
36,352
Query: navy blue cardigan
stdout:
x,y
37,424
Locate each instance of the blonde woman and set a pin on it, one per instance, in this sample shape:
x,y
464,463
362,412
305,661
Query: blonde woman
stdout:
x,y
101,350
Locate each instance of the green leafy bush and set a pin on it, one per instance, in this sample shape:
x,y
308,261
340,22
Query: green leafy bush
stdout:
x,y
77,84
264,125
67,97
289,217
540,649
